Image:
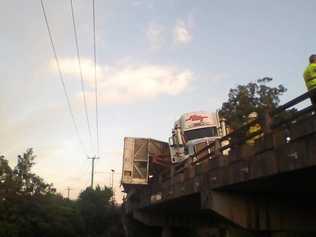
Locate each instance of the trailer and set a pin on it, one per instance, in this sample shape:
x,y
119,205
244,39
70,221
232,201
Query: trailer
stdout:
x,y
143,160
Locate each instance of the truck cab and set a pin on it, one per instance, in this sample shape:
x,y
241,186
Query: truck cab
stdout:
x,y
192,129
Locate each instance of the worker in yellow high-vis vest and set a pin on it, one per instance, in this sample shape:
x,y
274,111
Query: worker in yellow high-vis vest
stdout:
x,y
310,78
255,128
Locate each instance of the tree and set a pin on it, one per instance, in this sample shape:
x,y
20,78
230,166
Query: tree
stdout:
x,y
96,208
253,97
30,207
30,183
6,178
7,191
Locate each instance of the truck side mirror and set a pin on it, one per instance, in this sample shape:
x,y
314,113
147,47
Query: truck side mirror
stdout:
x,y
171,144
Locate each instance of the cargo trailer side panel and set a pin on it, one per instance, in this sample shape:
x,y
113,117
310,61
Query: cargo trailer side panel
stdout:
x,y
135,161
128,157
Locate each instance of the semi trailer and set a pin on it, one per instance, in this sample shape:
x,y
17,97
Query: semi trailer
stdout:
x,y
145,158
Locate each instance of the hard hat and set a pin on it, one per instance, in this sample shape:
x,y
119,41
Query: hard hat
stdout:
x,y
312,58
253,115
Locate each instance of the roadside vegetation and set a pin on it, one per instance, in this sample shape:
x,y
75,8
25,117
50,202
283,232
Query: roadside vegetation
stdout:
x,y
29,207
259,96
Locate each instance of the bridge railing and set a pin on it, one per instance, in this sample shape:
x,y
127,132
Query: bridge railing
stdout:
x,y
280,118
270,122
202,169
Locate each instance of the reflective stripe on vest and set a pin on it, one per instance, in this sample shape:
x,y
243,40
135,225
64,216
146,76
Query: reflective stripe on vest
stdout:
x,y
311,84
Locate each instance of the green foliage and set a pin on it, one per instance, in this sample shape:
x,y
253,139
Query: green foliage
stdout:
x,y
29,207
29,183
253,97
98,212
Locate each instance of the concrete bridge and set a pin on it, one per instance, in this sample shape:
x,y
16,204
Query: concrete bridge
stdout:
x,y
265,189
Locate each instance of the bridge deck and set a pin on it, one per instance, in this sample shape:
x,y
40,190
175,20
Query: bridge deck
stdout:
x,y
274,166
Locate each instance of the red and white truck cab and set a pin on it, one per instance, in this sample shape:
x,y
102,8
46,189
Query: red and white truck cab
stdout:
x,y
191,129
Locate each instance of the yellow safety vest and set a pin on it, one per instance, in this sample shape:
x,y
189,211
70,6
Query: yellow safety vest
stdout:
x,y
310,76
253,129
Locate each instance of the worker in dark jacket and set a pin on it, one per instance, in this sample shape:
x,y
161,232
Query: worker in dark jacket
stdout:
x,y
310,78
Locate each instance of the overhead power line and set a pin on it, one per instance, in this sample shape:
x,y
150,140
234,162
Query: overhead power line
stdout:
x,y
95,79
80,72
61,76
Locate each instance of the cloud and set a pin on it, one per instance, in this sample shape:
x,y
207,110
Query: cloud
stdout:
x,y
182,33
125,84
134,83
137,3
155,34
218,77
142,3
70,66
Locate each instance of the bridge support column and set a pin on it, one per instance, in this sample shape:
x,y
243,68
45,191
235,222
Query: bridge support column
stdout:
x,y
265,213
206,231
166,231
134,228
263,234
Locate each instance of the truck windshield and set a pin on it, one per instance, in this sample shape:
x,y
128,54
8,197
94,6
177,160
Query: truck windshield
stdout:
x,y
200,133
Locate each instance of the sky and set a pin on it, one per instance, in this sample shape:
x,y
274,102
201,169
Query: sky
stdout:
x,y
156,59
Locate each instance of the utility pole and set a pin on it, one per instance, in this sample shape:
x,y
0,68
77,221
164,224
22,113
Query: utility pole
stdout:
x,y
68,191
112,185
92,169
112,179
